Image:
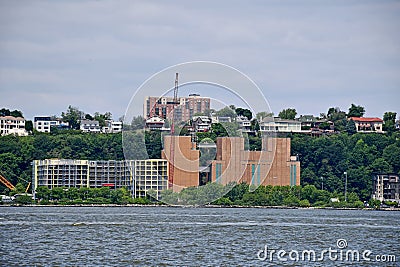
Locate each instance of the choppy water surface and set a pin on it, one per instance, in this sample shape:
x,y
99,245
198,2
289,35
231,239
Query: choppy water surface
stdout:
x,y
161,236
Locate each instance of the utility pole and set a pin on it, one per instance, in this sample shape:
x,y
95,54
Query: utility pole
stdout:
x,y
322,178
345,187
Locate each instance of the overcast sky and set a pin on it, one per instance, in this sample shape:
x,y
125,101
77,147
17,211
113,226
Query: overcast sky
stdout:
x,y
308,55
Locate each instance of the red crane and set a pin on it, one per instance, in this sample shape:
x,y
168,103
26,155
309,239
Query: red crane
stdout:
x,y
172,144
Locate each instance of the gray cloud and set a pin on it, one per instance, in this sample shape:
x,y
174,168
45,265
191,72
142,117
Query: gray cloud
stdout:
x,y
304,54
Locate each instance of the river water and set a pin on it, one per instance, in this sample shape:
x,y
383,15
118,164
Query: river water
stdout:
x,y
164,236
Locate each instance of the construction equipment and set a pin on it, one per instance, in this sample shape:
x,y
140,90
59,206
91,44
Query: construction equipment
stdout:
x,y
10,186
4,181
26,190
172,144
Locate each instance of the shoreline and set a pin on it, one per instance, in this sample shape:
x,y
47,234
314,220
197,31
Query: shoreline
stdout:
x,y
195,206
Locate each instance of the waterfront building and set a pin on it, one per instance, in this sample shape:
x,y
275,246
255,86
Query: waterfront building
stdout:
x,y
386,187
183,161
150,175
368,125
138,176
274,165
184,109
45,123
12,125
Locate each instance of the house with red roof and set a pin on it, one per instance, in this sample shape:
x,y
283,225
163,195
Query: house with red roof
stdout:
x,y
368,125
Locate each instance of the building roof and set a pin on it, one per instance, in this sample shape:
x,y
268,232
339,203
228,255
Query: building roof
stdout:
x,y
155,119
279,120
361,119
12,118
89,122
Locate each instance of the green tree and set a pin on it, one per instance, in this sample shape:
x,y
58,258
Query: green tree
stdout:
x,y
101,118
16,113
288,114
138,123
392,155
10,166
29,126
263,114
255,126
355,111
43,193
24,199
89,117
351,127
380,165
5,112
338,117
73,116
153,141
226,112
389,122
244,112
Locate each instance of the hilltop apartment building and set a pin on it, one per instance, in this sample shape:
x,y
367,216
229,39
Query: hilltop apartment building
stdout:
x,y
368,125
45,123
184,109
12,125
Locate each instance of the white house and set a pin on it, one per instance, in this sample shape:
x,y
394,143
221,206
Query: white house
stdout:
x,y
270,124
244,123
90,126
12,125
112,126
201,123
368,125
44,123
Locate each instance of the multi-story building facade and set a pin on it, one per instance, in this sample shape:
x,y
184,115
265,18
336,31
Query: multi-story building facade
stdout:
x,y
244,123
150,175
12,125
138,176
201,123
112,126
45,123
184,109
156,123
183,162
272,166
368,125
270,124
386,187
90,126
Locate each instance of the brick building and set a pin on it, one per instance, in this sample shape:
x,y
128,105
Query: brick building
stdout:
x,y
185,107
184,165
273,165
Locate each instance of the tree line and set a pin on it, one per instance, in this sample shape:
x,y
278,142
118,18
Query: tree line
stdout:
x,y
288,196
232,195
80,196
323,159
